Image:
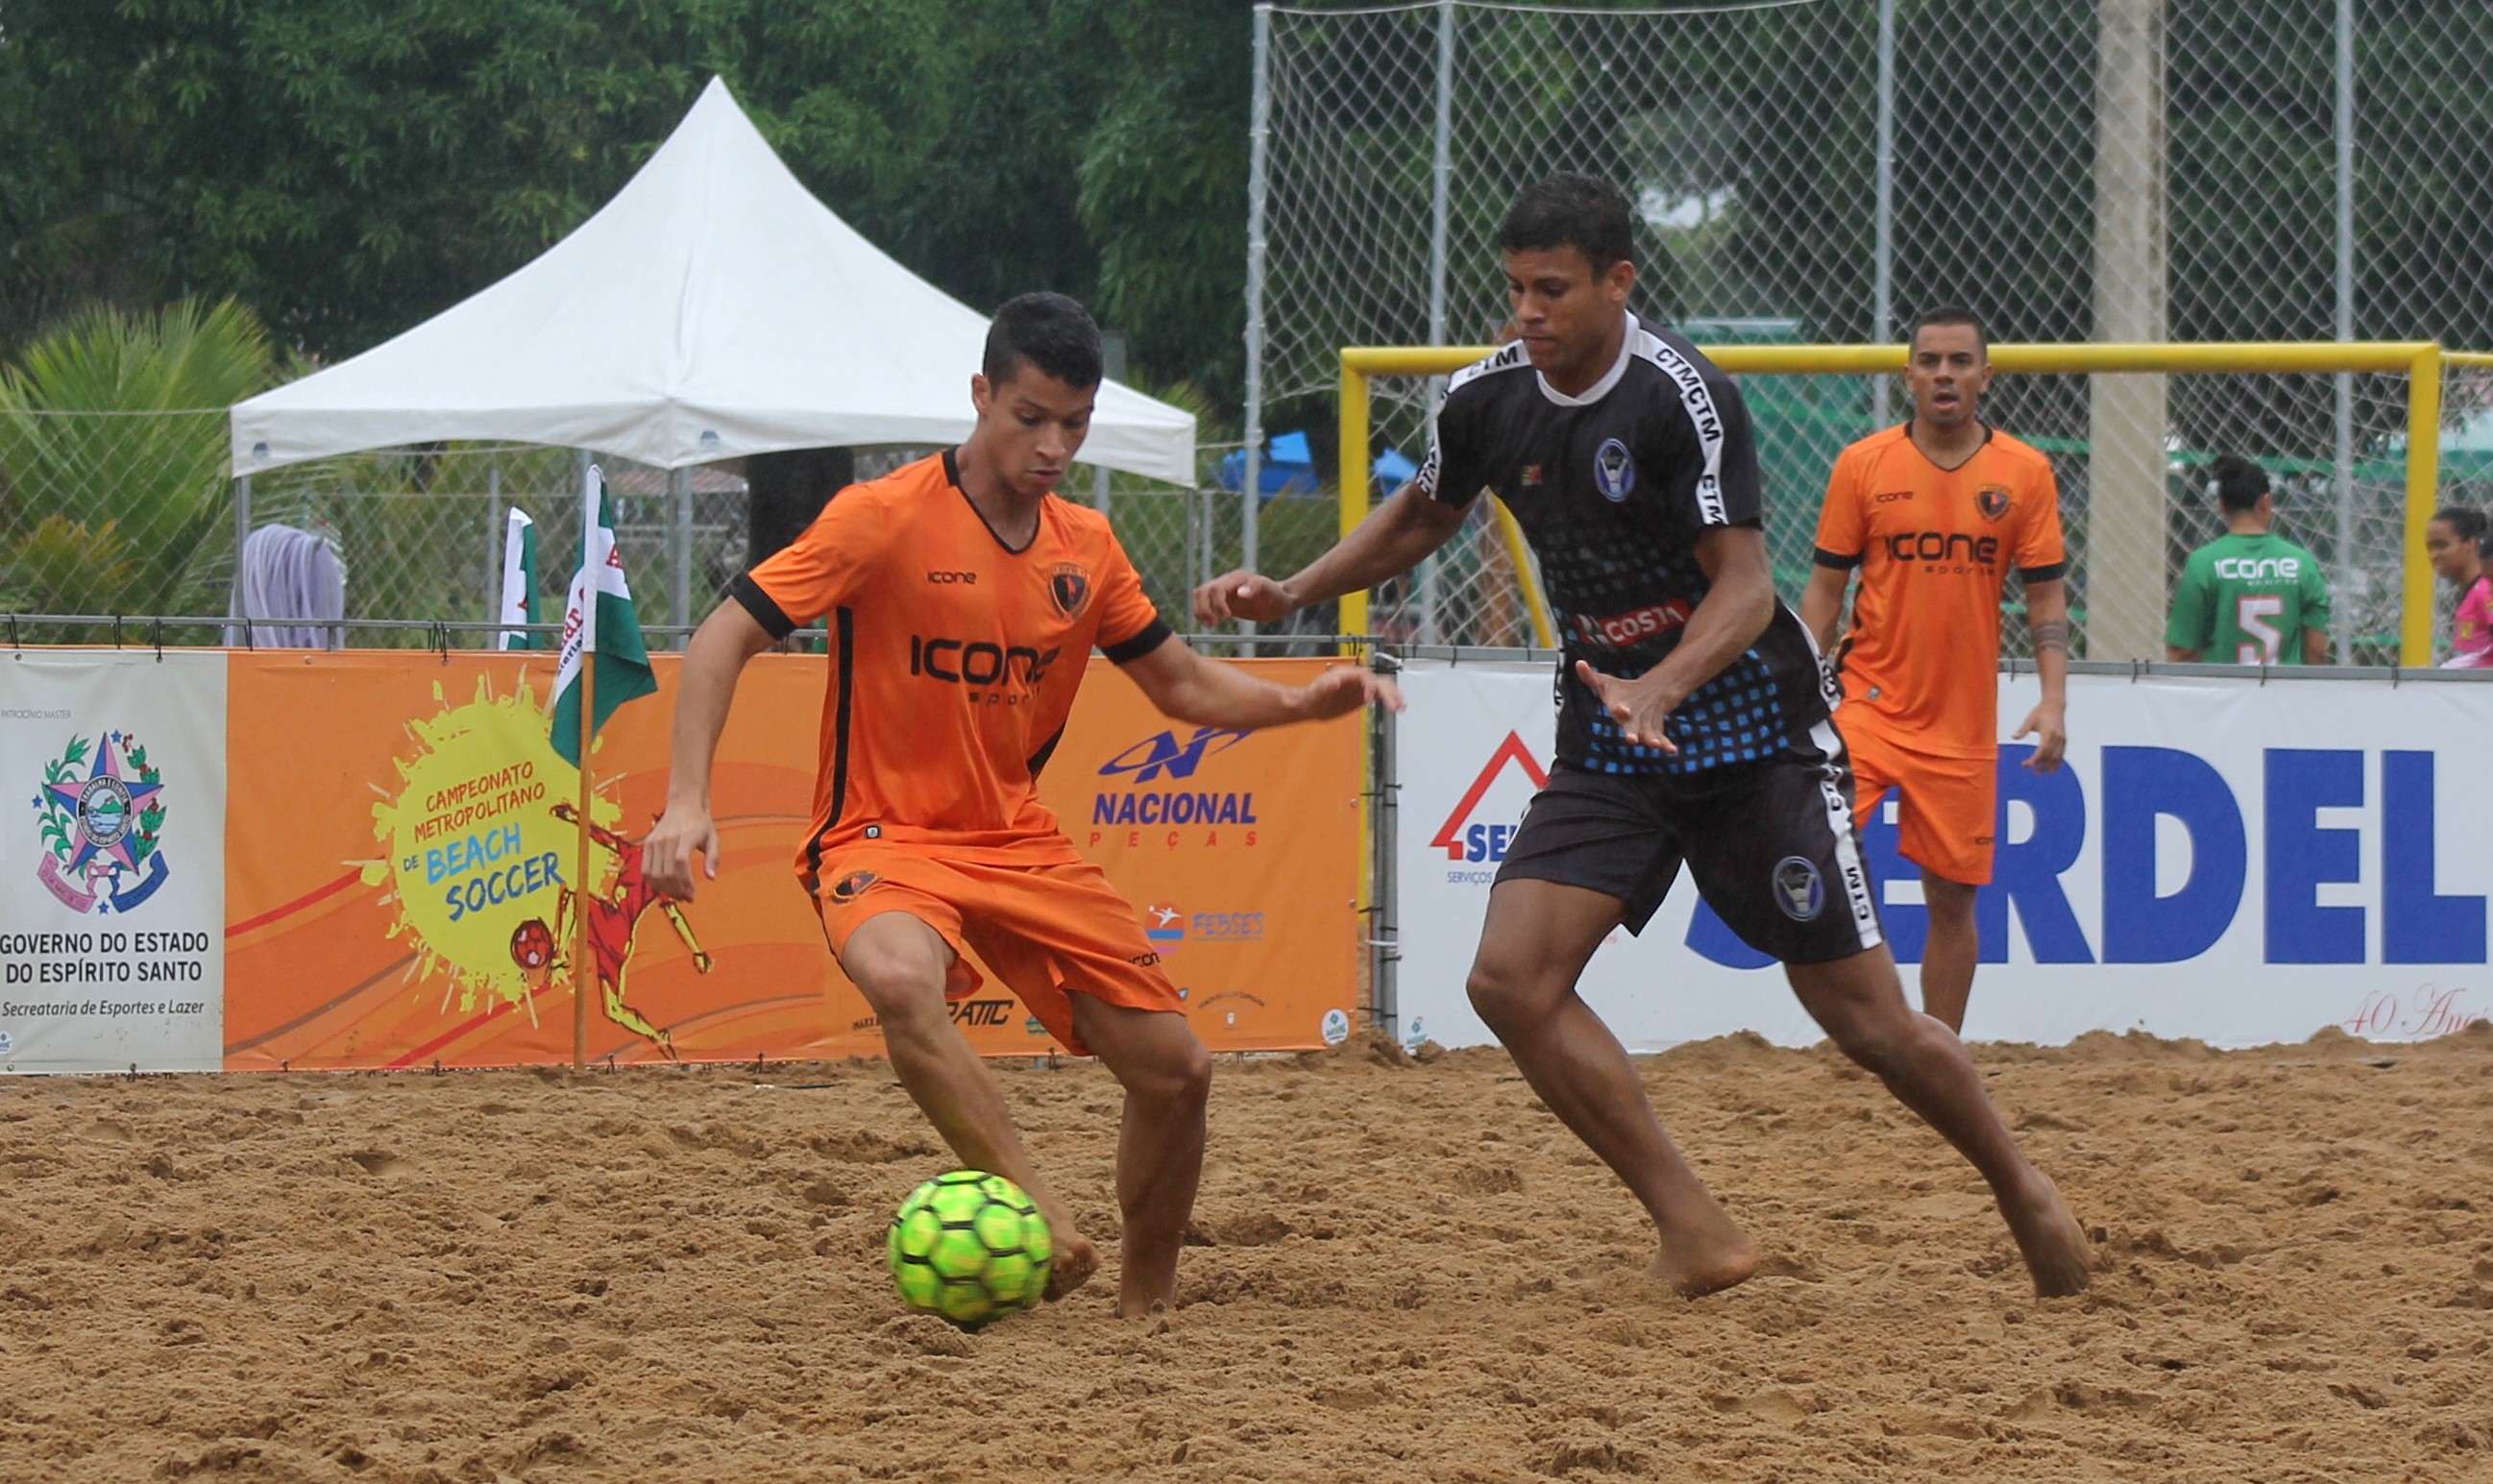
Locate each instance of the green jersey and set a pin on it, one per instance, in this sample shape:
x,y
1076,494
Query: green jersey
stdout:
x,y
2247,599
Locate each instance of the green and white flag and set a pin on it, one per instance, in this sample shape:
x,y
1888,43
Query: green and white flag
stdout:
x,y
520,583
599,626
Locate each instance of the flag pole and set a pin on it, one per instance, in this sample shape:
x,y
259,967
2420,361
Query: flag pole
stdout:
x,y
584,961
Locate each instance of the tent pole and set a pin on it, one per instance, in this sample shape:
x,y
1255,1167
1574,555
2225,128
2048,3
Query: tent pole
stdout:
x,y
680,549
494,545
1259,130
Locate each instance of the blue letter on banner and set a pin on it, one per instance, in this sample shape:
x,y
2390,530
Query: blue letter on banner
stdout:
x,y
2140,784
2417,926
2301,855
2029,871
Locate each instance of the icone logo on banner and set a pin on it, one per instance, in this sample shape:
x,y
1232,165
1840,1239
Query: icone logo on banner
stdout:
x,y
1127,798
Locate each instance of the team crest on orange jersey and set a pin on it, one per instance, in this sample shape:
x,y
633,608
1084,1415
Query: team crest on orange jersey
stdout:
x,y
851,886
1992,500
1070,588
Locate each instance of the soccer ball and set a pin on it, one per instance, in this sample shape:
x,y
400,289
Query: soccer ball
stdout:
x,y
969,1246
531,944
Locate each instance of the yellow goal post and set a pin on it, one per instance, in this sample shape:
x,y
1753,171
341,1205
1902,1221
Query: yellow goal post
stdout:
x,y
2420,362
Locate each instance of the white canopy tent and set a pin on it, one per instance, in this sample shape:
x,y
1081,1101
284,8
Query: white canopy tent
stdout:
x,y
713,308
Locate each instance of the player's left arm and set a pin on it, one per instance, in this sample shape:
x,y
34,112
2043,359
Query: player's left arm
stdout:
x,y
2316,613
1721,479
2047,624
1188,686
1191,687
2042,570
1737,607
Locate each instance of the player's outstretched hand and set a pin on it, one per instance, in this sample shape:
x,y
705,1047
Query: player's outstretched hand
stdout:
x,y
2048,726
667,854
1346,688
1640,706
1240,594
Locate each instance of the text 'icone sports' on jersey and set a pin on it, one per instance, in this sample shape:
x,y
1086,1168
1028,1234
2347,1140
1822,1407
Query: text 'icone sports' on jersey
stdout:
x,y
2246,598
1934,548
1612,488
955,660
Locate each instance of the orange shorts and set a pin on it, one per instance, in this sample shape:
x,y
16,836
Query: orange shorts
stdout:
x,y
1947,809
1047,931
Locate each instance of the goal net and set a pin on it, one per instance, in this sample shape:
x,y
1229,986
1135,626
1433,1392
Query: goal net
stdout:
x,y
2130,430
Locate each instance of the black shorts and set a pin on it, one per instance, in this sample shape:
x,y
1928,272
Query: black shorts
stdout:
x,y
1772,848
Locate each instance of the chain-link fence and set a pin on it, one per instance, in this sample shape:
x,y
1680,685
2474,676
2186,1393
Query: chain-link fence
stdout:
x,y
126,524
1469,595
1819,170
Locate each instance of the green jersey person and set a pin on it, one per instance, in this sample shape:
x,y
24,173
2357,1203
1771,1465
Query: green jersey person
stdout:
x,y
2250,596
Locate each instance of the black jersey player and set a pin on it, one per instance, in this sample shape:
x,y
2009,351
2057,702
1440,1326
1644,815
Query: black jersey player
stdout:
x,y
1693,725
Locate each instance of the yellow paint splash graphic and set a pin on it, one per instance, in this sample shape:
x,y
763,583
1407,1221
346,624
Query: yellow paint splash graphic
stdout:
x,y
477,859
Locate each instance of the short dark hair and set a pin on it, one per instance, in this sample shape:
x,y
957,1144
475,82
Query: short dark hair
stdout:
x,y
1571,211
1948,315
2239,483
2465,524
1050,332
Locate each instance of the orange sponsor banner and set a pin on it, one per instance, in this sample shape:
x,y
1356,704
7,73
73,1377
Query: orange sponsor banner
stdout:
x,y
401,834
398,854
1238,850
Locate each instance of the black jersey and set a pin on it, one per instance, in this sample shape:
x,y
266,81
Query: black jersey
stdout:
x,y
1612,489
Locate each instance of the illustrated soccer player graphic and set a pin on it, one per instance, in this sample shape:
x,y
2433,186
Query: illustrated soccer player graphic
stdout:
x,y
965,599
1693,725
1934,515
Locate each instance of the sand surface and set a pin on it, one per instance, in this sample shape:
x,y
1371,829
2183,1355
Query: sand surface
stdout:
x,y
1408,1272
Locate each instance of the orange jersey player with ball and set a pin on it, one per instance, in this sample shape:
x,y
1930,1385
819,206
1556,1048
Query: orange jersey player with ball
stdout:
x,y
964,599
1935,515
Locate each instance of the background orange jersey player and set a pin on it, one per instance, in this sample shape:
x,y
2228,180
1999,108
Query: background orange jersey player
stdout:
x,y
1935,515
963,600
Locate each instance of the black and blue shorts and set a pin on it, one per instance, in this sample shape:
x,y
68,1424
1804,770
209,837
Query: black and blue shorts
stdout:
x,y
1772,847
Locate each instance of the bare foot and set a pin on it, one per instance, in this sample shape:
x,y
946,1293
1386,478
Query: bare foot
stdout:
x,y
1076,1260
2053,1244
1705,1258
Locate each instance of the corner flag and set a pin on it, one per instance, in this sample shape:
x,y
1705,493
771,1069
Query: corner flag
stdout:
x,y
599,625
520,583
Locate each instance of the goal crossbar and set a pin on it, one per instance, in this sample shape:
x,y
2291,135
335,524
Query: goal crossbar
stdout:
x,y
2422,362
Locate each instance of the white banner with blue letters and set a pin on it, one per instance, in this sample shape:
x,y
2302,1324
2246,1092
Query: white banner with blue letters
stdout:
x,y
2221,858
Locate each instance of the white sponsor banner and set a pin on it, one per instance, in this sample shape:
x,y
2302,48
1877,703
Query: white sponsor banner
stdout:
x,y
112,917
2221,859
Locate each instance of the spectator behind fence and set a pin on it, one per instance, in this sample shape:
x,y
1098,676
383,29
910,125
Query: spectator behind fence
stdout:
x,y
2250,596
2454,539
289,591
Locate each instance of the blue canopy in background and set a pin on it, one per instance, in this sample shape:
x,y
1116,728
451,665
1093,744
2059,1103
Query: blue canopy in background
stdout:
x,y
1289,467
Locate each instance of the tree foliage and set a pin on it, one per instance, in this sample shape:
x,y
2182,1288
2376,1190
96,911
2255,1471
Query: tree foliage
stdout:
x,y
106,514
351,167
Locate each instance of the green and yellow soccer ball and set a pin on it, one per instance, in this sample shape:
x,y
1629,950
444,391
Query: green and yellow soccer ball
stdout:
x,y
969,1246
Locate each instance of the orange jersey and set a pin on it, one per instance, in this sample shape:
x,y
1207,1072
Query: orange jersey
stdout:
x,y
1934,548
954,660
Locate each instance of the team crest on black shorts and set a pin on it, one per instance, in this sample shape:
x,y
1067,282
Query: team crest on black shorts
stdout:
x,y
1614,471
1799,890
1992,500
851,886
1070,586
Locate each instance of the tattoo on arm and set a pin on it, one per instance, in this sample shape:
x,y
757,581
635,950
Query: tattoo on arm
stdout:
x,y
2052,633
